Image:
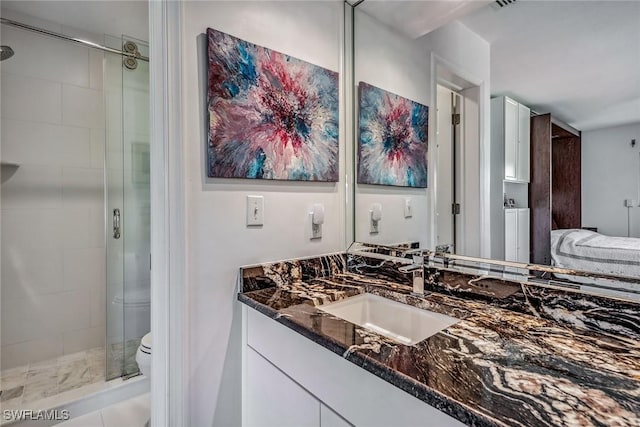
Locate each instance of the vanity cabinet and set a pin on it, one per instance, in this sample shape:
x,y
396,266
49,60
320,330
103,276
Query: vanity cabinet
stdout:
x,y
289,380
290,406
516,235
510,126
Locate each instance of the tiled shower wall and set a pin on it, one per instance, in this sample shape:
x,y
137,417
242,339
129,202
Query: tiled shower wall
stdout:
x,y
52,197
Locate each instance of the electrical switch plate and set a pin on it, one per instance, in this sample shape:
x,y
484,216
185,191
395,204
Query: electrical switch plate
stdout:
x,y
255,210
408,208
629,203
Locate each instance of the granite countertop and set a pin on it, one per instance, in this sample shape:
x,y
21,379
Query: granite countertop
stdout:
x,y
521,355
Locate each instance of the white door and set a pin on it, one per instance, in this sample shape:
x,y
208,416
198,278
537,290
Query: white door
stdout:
x,y
510,234
510,138
274,399
523,235
328,418
444,168
524,125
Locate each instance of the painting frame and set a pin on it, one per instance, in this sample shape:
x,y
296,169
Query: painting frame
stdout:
x,y
393,138
270,116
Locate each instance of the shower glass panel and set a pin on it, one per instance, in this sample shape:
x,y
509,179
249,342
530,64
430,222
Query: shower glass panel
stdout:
x,y
128,207
137,208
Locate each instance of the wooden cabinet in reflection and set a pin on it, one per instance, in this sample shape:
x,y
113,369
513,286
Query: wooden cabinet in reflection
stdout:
x,y
555,187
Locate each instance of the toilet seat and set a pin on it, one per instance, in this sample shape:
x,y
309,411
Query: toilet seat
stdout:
x,y
143,355
145,344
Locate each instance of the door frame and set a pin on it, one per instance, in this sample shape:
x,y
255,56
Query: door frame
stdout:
x,y
437,77
168,226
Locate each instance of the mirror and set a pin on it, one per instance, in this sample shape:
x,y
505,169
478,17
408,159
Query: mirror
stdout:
x,y
501,132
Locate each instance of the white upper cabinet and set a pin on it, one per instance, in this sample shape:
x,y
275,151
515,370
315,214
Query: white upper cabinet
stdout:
x,y
524,144
510,126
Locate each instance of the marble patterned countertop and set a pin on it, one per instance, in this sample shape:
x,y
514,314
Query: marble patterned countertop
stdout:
x,y
521,355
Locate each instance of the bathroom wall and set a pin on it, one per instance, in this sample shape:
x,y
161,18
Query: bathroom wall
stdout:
x,y
403,66
53,258
611,174
218,241
394,63
470,54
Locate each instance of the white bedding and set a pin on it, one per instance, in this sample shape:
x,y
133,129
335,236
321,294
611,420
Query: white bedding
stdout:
x,y
589,251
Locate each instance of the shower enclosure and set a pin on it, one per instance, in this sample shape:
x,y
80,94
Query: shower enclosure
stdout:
x,y
75,210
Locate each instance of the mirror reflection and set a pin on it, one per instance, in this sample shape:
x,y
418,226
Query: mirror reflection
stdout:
x,y
503,132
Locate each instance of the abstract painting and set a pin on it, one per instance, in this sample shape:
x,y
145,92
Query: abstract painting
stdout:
x,y
271,116
392,140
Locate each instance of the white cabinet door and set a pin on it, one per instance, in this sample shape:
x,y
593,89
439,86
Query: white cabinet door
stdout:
x,y
274,400
510,235
523,235
524,145
328,418
516,235
510,138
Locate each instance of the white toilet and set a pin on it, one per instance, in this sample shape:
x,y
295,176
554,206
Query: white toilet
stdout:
x,y
143,355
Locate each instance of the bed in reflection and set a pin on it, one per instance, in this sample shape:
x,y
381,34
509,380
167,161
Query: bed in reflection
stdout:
x,y
587,250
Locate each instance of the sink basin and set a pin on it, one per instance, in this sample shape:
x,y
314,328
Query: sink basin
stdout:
x,y
400,322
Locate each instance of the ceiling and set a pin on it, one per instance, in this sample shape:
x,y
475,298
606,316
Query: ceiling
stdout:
x,y
579,60
415,18
99,17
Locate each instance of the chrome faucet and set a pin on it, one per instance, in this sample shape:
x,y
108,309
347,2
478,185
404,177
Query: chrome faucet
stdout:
x,y
417,270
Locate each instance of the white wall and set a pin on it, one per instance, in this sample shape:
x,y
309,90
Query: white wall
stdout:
x,y
403,66
218,241
394,63
611,174
53,257
467,55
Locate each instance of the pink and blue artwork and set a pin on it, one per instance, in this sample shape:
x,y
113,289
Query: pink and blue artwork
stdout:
x,y
392,140
271,116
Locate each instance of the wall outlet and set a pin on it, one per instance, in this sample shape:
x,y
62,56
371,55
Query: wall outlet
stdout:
x,y
629,203
317,219
255,210
408,208
376,216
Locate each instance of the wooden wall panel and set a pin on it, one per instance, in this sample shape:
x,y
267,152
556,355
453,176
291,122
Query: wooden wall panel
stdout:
x,y
566,200
540,189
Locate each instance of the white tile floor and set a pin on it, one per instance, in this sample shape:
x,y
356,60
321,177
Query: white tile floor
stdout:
x,y
130,413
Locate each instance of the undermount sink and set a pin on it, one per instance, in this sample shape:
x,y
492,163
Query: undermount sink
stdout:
x,y
401,322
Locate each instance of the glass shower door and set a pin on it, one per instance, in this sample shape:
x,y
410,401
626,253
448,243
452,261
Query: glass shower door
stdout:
x,y
128,206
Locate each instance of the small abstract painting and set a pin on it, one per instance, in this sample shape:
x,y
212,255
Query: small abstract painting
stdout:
x,y
271,116
392,140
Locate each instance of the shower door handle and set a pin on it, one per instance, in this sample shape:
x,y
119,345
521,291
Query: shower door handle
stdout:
x,y
116,223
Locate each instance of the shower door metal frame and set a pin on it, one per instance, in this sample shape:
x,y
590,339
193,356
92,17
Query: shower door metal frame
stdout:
x,y
60,36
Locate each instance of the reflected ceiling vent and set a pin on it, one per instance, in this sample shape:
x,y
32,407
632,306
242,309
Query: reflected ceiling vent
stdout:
x,y
499,4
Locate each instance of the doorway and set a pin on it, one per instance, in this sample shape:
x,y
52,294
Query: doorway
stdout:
x,y
448,145
76,299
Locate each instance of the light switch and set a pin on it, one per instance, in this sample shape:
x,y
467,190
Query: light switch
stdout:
x,y
255,210
408,208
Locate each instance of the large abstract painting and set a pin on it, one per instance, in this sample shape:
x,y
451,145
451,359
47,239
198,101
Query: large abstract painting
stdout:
x,y
271,116
392,140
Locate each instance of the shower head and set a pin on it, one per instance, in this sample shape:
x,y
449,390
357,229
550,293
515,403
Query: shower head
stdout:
x,y
5,52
